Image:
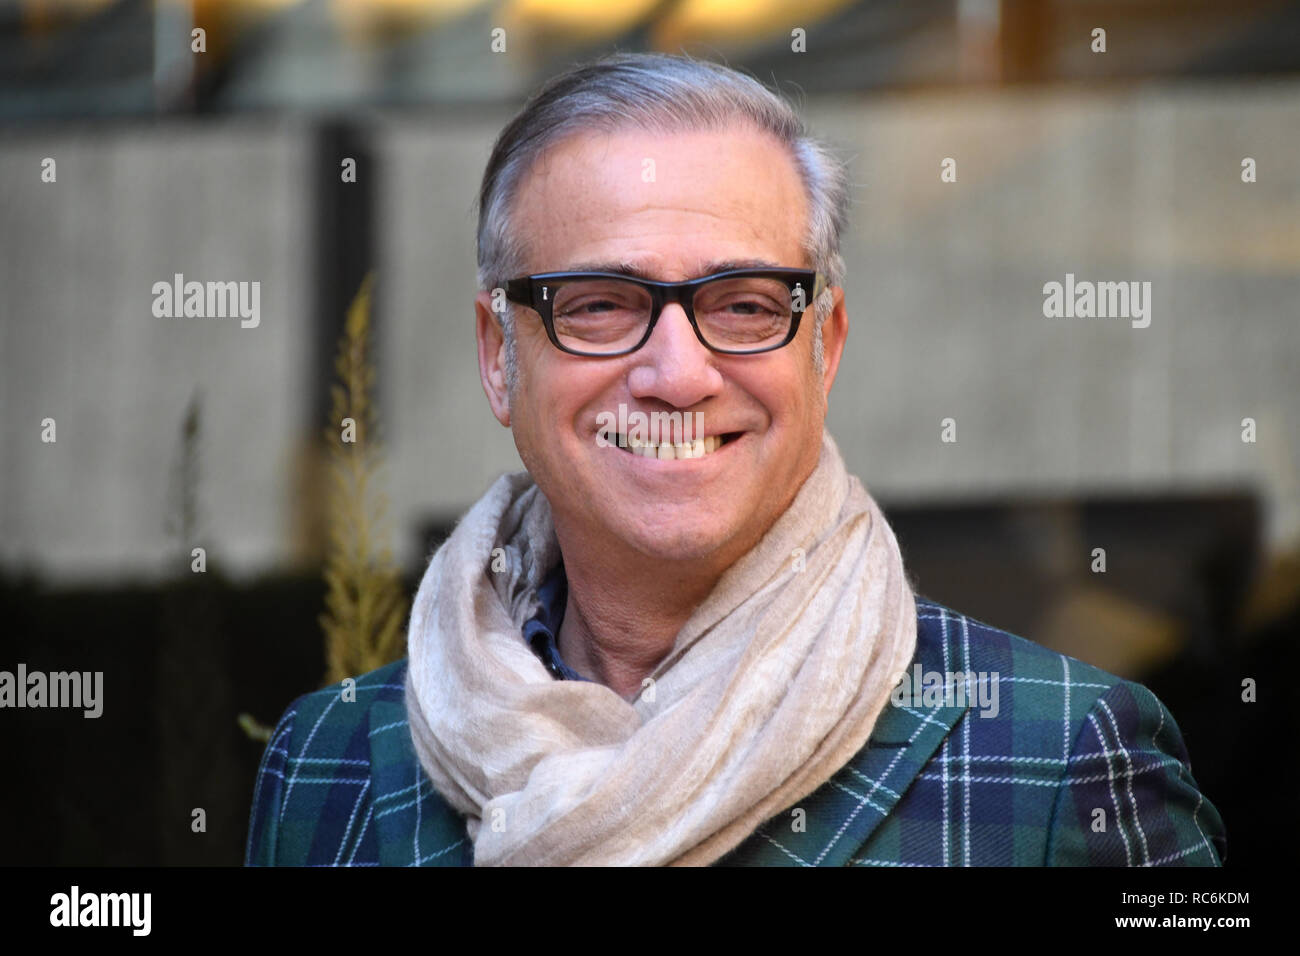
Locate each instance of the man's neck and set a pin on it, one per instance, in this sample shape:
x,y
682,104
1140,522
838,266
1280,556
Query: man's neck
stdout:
x,y
622,615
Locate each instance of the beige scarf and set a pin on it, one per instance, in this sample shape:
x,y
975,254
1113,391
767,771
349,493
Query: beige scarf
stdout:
x,y
773,684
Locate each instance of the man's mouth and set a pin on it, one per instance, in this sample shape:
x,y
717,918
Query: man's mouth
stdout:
x,y
667,451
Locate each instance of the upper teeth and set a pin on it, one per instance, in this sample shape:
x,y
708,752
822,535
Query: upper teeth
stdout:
x,y
668,451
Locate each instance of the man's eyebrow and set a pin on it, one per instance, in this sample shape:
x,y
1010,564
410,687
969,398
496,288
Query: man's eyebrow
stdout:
x,y
708,269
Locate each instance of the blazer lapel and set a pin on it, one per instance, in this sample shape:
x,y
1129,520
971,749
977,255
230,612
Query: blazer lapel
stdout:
x,y
842,814
875,780
904,739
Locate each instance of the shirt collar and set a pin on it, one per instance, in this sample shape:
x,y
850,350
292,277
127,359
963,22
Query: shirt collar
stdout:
x,y
541,631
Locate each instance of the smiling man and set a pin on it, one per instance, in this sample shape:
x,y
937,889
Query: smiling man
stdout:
x,y
698,647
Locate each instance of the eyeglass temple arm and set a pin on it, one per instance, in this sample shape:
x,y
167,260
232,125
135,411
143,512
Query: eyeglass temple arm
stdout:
x,y
520,290
819,286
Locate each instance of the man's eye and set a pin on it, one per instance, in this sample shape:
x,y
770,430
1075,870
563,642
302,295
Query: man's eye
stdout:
x,y
594,307
597,305
750,307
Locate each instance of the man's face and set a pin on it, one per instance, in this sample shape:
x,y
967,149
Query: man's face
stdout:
x,y
675,206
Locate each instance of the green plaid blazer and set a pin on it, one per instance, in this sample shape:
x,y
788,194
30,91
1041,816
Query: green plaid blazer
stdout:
x,y
1077,768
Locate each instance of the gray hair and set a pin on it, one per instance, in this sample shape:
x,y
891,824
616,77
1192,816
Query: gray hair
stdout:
x,y
663,93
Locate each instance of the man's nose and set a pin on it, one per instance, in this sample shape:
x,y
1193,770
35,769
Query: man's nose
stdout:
x,y
674,365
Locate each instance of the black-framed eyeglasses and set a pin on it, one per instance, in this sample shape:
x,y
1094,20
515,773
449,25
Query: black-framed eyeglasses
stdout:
x,y
602,314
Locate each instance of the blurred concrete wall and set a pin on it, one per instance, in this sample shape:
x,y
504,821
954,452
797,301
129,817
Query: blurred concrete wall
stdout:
x,y
131,206
944,290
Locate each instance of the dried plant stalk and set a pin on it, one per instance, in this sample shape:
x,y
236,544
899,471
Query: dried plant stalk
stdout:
x,y
365,608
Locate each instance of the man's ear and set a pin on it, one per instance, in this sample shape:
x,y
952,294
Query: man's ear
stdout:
x,y
491,356
835,330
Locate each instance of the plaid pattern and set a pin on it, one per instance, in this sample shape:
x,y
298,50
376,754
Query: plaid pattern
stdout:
x,y
1078,768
